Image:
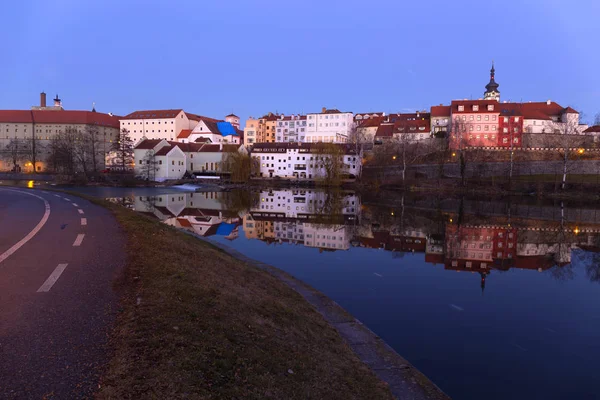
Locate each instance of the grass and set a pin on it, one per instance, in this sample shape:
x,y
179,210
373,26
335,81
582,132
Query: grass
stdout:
x,y
197,324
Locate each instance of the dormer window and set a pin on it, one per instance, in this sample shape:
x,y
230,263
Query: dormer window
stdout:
x,y
475,108
490,107
461,108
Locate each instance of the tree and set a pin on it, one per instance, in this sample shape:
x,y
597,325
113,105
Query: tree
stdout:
x,y
63,147
329,164
597,119
565,138
240,165
460,130
91,142
17,151
123,150
149,166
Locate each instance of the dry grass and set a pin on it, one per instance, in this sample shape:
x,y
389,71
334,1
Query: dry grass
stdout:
x,y
210,327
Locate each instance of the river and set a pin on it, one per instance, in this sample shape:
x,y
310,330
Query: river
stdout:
x,y
491,299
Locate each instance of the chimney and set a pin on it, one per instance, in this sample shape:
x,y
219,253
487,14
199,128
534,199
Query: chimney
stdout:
x,y
42,99
548,102
57,102
323,110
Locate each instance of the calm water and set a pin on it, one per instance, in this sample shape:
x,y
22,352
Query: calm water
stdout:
x,y
491,300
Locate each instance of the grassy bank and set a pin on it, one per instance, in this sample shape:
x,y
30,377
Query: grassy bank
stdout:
x,y
195,323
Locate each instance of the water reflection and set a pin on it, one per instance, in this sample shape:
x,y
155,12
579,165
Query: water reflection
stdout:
x,y
459,235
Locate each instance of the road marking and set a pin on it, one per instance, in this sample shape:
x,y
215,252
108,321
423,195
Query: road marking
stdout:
x,y
35,230
57,195
83,221
67,199
80,211
379,275
52,278
78,240
75,204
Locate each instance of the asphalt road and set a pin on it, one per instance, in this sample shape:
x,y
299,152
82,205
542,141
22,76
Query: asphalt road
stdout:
x,y
59,257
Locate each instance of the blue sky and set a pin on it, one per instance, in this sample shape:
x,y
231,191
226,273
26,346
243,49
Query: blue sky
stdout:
x,y
251,57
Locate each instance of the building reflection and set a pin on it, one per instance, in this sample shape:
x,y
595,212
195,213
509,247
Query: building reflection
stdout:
x,y
459,240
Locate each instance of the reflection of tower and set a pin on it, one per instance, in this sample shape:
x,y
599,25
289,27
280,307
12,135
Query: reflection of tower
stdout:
x,y
483,276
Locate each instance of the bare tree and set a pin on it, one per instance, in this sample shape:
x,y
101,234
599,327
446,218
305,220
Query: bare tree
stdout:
x,y
329,164
597,119
91,141
63,148
458,140
565,138
17,151
149,165
123,150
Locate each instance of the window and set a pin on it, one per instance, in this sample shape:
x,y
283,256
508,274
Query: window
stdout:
x,y
475,108
471,118
493,117
486,128
478,127
506,120
505,130
487,117
516,119
504,140
461,108
516,140
490,107
479,118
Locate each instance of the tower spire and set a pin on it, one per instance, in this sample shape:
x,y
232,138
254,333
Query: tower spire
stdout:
x,y
492,92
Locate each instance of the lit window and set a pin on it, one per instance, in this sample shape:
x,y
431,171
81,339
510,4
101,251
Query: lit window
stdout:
x,y
461,108
475,108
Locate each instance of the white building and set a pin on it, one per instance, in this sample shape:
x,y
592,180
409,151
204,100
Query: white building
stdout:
x,y
159,159
329,126
290,129
158,124
210,130
301,161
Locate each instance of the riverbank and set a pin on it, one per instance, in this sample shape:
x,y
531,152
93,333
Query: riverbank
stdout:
x,y
196,323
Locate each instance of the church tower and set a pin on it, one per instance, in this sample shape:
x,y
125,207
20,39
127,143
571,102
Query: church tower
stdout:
x,y
491,89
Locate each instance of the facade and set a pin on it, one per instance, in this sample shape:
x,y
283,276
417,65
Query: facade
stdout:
x,y
366,128
302,161
440,120
410,127
233,120
360,117
251,131
159,159
22,131
329,126
210,130
475,123
158,124
290,129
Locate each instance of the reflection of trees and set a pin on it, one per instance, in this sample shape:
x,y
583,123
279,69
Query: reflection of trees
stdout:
x,y
238,202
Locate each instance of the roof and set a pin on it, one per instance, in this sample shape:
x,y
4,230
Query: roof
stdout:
x,y
570,110
371,122
440,111
225,229
468,106
371,114
203,140
59,117
593,129
385,130
148,144
231,115
331,111
184,222
151,114
291,117
412,126
226,129
165,150
184,134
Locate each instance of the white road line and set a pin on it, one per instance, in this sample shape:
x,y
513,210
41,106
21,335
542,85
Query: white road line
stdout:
x,y
75,204
83,221
35,230
57,195
80,211
52,278
78,240
67,199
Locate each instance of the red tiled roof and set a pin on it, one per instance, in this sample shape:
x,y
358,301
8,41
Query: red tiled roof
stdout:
x,y
377,113
148,144
468,106
203,140
151,114
385,130
440,111
371,122
187,147
231,115
593,129
412,126
59,117
184,134
164,150
570,110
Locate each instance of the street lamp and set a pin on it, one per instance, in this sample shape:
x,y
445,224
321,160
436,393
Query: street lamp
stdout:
x,y
453,154
393,157
580,151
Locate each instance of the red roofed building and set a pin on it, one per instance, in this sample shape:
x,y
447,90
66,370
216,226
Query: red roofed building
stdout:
x,y
440,120
20,129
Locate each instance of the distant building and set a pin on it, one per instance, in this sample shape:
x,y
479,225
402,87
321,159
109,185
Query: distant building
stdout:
x,y
440,120
158,124
410,127
301,161
210,130
25,130
330,125
290,129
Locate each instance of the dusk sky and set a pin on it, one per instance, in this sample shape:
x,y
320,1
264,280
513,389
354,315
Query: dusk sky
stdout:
x,y
252,57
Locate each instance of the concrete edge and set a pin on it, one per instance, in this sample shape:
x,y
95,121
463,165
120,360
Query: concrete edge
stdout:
x,y
404,380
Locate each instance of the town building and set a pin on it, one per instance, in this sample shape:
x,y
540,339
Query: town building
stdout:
x,y
26,135
410,127
160,159
440,120
251,131
366,128
211,131
474,123
158,124
360,117
303,161
233,120
330,125
260,130
290,129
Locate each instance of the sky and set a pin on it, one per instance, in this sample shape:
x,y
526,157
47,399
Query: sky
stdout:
x,y
256,56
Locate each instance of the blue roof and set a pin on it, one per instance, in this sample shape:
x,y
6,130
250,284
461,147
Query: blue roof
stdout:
x,y
226,129
225,229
